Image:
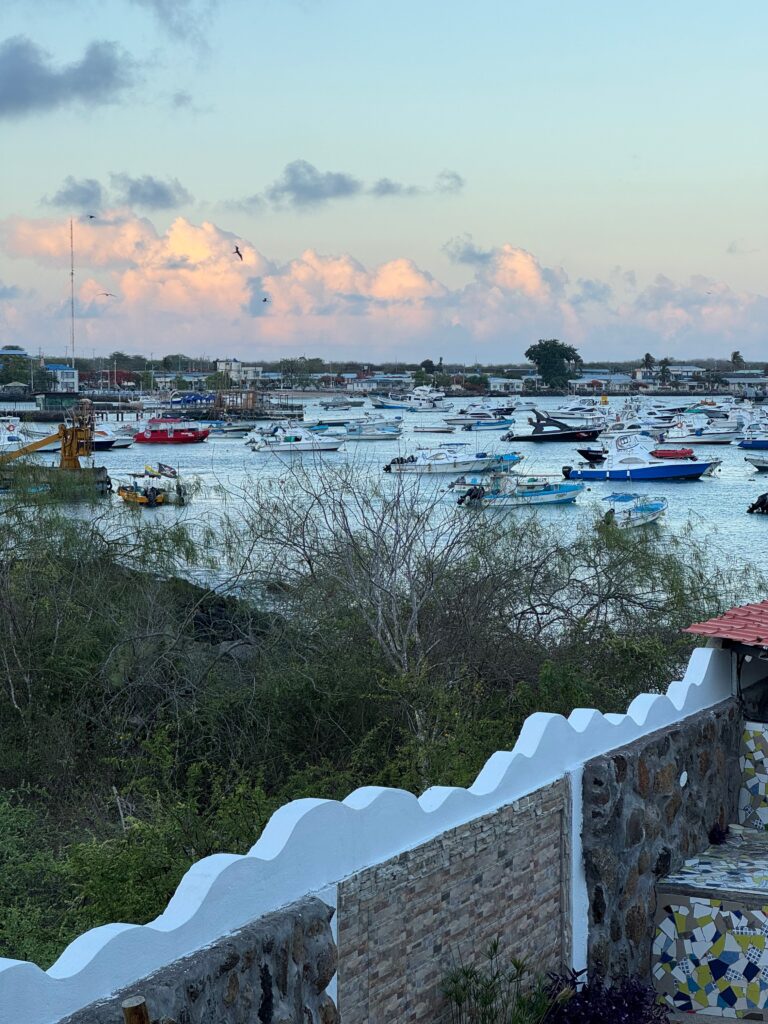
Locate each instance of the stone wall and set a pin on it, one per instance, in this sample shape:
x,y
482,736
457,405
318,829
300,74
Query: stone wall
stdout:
x,y
646,808
404,924
274,971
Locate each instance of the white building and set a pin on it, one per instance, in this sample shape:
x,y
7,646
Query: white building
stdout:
x,y
66,378
241,374
506,385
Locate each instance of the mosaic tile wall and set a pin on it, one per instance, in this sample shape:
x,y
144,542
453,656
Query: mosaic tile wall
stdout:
x,y
753,797
711,956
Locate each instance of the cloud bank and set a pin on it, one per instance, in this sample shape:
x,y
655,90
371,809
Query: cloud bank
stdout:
x,y
184,290
302,186
146,192
30,83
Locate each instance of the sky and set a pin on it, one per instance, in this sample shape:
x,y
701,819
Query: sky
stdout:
x,y
405,180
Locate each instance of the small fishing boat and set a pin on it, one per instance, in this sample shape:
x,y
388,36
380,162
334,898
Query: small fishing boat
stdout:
x,y
337,403
374,430
294,440
112,439
755,437
437,429
167,430
449,459
629,458
699,430
760,462
478,414
510,490
423,398
630,510
546,428
146,496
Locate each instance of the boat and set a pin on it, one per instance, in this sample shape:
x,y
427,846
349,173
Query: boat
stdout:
x,y
492,424
630,510
699,430
10,438
478,414
760,462
629,457
449,459
338,403
147,496
546,428
510,490
423,398
579,410
167,430
437,429
374,430
755,437
106,433
102,443
282,440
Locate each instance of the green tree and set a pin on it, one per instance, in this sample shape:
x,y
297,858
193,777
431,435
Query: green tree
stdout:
x,y
554,361
737,360
648,361
665,375
427,366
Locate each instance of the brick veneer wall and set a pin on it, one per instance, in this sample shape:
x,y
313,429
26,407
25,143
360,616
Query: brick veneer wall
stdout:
x,y
640,823
404,924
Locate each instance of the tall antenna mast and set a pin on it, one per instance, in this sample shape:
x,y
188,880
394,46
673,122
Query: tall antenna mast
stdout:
x,y
72,292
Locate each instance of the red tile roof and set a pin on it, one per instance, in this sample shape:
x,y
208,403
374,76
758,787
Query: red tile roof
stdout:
x,y
747,624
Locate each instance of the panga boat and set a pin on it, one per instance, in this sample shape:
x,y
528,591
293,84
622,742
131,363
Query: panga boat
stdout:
x,y
760,462
629,458
148,496
449,459
628,510
510,490
170,431
437,429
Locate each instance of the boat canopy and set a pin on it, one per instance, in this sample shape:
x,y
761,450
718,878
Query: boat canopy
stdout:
x,y
622,496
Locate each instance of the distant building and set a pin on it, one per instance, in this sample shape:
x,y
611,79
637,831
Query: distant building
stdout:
x,y
601,380
15,351
241,374
506,385
66,378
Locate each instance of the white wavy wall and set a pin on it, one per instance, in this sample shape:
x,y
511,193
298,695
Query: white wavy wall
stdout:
x,y
308,846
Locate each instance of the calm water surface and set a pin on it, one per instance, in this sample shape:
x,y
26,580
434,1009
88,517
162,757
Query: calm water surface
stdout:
x,y
715,507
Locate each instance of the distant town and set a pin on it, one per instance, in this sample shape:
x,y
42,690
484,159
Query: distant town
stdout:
x,y
551,367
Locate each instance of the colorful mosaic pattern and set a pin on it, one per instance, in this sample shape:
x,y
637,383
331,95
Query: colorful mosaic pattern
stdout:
x,y
753,796
710,956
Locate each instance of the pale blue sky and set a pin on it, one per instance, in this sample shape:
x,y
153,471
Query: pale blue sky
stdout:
x,y
592,135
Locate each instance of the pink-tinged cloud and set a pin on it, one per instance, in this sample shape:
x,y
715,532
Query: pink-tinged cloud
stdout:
x,y
186,289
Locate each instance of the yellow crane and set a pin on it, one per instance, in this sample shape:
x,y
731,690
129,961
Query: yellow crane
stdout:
x,y
75,434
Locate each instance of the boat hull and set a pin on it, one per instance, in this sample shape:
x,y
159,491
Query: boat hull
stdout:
x,y
682,471
560,435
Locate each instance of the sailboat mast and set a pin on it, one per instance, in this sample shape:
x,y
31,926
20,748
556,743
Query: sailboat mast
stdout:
x,y
72,292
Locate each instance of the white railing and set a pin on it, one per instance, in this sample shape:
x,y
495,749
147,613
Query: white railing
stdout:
x,y
308,846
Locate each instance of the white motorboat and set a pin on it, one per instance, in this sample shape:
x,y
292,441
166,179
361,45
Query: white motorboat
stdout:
x,y
423,398
450,459
699,430
292,439
103,432
512,490
628,457
374,430
579,411
474,414
630,510
760,462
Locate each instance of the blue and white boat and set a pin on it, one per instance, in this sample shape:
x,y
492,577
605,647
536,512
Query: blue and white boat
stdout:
x,y
755,437
629,510
629,458
512,490
493,424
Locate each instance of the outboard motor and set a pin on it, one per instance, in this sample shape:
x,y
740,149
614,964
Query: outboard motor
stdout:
x,y
567,472
760,504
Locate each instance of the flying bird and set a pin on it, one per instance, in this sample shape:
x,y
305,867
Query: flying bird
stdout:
x,y
91,216
110,295
237,252
265,300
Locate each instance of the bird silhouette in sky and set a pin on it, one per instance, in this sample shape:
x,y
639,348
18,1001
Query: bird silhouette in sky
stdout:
x,y
265,300
110,295
91,216
237,252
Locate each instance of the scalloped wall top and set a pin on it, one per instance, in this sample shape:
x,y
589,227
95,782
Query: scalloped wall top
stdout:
x,y
310,845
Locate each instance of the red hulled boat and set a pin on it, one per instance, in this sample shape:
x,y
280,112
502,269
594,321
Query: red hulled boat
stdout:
x,y
171,431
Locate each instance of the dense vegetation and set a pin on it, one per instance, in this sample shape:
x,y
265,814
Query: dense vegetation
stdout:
x,y
354,636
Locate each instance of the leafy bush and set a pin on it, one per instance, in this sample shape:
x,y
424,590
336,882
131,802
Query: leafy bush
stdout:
x,y
625,1001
